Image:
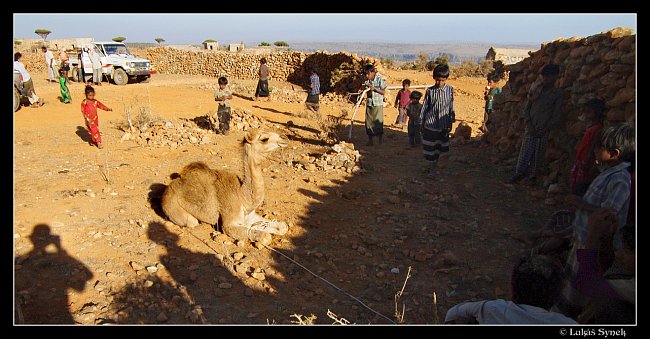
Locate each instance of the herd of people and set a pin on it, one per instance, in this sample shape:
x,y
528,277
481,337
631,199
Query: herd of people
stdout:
x,y
593,282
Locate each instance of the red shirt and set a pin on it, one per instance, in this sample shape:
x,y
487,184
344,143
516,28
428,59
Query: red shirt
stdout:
x,y
585,144
404,97
89,107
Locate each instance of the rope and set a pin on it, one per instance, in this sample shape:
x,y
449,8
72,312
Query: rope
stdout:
x,y
306,269
331,284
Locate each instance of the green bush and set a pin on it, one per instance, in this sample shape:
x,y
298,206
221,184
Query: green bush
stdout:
x,y
264,43
119,39
209,40
281,44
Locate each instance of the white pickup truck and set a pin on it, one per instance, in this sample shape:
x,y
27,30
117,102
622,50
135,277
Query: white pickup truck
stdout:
x,y
118,64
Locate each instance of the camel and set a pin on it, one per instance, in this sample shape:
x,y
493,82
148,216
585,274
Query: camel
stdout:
x,y
208,195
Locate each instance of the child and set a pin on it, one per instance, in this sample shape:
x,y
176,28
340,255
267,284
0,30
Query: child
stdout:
x,y
262,89
223,95
413,111
437,116
314,91
63,83
374,103
89,110
614,152
491,90
401,101
542,112
535,282
584,171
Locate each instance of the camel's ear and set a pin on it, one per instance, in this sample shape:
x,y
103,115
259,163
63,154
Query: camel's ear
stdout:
x,y
249,137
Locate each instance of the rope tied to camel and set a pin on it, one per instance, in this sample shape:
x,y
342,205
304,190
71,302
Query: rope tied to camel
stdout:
x,y
330,283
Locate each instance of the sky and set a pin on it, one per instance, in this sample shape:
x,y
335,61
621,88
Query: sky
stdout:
x,y
254,28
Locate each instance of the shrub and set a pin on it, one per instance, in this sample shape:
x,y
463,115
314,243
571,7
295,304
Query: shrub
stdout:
x,y
264,43
281,44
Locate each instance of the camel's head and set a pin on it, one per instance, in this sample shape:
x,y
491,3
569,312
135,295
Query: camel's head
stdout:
x,y
264,143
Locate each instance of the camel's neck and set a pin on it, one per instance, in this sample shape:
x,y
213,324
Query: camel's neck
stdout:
x,y
253,186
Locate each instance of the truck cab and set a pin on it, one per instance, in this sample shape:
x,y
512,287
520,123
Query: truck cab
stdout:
x,y
118,63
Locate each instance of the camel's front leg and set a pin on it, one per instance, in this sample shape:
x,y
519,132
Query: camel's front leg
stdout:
x,y
257,222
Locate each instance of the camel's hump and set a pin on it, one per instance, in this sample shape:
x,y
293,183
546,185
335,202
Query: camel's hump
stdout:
x,y
197,165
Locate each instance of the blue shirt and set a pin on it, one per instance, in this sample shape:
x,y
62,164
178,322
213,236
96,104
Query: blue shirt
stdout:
x,y
610,189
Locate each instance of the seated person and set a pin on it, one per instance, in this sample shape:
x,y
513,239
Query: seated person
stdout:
x,y
612,292
536,284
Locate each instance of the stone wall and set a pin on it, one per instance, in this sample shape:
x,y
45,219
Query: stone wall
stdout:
x,y
600,66
337,71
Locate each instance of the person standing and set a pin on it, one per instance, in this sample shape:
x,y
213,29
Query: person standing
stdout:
x,y
262,89
63,61
374,103
26,79
402,100
491,90
89,108
314,91
66,98
96,62
50,63
542,112
223,95
437,117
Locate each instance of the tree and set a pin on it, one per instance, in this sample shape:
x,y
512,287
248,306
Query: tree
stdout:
x,y
159,40
17,42
442,60
209,40
422,61
43,33
264,43
281,44
119,39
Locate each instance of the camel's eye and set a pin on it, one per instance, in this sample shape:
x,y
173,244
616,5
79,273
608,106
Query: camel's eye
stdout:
x,y
264,139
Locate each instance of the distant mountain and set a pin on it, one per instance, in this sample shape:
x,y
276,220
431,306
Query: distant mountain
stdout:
x,y
458,51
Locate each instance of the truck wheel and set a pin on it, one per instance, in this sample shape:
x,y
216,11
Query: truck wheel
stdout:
x,y
120,77
75,74
16,100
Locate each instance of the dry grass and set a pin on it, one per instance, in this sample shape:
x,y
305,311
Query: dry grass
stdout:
x,y
333,128
302,320
337,320
399,315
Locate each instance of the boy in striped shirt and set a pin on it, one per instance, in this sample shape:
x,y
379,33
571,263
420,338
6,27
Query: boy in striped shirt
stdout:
x,y
437,116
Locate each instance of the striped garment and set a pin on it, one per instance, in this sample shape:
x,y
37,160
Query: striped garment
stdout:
x,y
438,108
611,189
376,99
434,142
531,154
315,84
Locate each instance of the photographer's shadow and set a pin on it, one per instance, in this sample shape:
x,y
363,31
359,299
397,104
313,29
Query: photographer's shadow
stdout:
x,y
43,277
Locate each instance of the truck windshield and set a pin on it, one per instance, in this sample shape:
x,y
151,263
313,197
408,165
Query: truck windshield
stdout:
x,y
116,49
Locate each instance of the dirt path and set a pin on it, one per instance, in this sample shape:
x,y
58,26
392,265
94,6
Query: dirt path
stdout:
x,y
458,230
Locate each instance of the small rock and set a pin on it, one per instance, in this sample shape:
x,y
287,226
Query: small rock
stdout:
x,y
394,270
225,285
152,269
238,255
310,167
258,275
148,283
420,256
380,274
241,268
162,317
393,199
136,266
240,243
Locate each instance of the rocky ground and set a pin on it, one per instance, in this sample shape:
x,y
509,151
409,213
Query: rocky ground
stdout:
x,y
93,247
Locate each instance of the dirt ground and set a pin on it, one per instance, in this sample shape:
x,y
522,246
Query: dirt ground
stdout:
x,y
92,247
